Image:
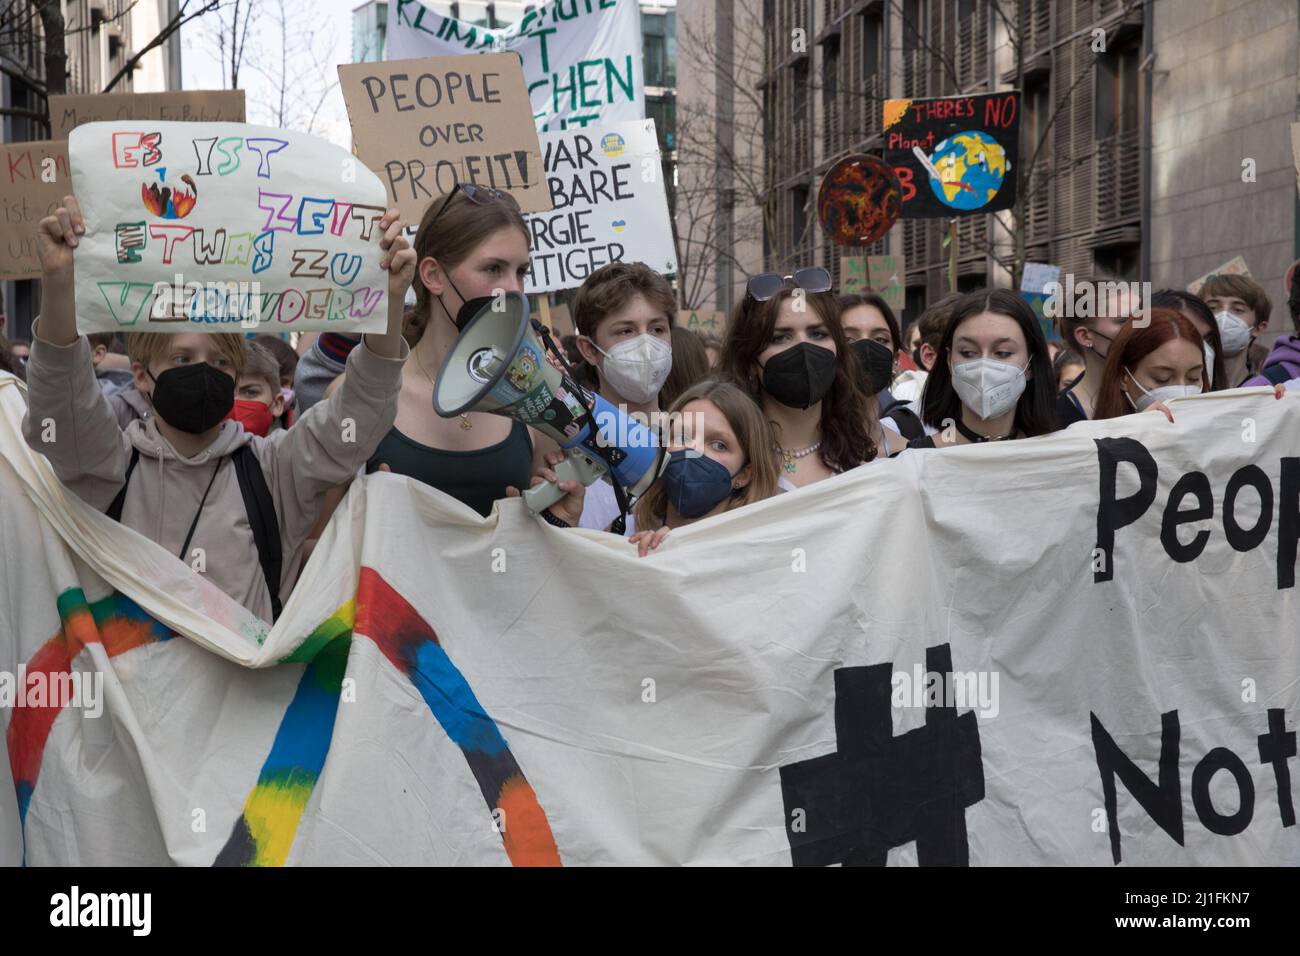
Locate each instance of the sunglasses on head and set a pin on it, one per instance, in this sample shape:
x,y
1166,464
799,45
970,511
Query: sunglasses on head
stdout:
x,y
482,195
766,285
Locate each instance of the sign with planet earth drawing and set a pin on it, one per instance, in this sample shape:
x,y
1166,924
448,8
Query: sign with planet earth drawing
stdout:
x,y
956,155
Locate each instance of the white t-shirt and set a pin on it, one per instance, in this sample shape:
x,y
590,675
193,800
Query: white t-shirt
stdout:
x,y
600,508
915,407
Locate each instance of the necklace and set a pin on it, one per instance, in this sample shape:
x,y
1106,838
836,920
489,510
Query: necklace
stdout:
x,y
790,456
974,436
465,423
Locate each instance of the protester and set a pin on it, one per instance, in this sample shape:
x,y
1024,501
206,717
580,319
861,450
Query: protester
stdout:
x,y
722,460
909,386
320,365
1150,363
1194,309
874,337
991,379
787,350
111,376
8,362
623,313
471,244
1283,362
1088,324
1068,366
178,496
258,400
287,361
690,365
1242,308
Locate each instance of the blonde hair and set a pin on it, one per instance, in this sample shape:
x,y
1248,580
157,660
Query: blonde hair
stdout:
x,y
755,437
146,347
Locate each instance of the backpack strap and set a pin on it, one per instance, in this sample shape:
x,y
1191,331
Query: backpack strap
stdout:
x,y
909,426
115,509
261,518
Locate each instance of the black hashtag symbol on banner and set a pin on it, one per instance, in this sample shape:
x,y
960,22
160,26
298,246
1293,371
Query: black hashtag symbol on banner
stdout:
x,y
880,791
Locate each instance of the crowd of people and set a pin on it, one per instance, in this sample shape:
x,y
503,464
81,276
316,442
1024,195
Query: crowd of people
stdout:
x,y
236,445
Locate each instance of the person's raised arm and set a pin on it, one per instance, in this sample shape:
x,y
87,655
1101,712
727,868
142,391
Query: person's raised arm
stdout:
x,y
57,237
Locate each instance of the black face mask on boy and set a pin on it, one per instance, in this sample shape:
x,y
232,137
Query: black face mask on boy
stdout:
x,y
194,397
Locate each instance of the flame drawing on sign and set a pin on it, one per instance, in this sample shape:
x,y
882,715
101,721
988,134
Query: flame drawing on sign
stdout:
x,y
167,202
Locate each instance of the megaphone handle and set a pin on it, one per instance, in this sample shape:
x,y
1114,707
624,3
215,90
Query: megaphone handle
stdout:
x,y
573,468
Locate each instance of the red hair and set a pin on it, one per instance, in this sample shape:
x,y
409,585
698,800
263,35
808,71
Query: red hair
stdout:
x,y
1134,343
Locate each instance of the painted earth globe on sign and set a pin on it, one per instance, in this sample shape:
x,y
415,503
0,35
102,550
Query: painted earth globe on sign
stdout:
x,y
972,166
859,200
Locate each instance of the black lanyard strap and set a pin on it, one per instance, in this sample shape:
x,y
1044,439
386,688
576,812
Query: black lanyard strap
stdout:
x,y
185,548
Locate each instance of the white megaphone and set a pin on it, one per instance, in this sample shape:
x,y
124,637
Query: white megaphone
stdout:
x,y
498,365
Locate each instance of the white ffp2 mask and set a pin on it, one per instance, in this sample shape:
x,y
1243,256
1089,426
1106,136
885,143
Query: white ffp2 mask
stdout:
x,y
987,387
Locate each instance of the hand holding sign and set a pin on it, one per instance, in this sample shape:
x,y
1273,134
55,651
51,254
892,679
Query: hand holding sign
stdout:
x,y
57,237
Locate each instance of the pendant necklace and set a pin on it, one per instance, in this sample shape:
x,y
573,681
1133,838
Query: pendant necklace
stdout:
x,y
465,423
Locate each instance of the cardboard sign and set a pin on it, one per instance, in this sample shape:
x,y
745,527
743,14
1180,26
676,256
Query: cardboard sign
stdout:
x,y
33,181
954,156
208,106
1233,267
887,275
853,275
425,125
582,60
220,227
705,323
1038,276
606,186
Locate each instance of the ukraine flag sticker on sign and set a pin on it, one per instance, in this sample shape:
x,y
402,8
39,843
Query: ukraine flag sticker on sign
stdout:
x,y
612,144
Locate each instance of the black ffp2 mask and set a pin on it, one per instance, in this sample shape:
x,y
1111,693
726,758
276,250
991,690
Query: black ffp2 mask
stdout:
x,y
800,376
877,363
194,397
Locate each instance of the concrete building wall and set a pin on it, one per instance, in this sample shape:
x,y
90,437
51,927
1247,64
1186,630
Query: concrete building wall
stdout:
x,y
1230,94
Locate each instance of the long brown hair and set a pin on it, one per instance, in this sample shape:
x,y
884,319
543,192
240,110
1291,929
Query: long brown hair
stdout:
x,y
755,437
848,420
461,226
1131,346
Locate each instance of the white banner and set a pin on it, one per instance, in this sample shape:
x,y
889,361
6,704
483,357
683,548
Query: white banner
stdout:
x,y
1109,613
582,58
607,188
198,227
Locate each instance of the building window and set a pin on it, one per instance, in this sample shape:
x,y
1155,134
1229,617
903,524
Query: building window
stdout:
x,y
1118,261
964,9
912,23
870,45
798,215
1117,100
831,69
659,36
799,104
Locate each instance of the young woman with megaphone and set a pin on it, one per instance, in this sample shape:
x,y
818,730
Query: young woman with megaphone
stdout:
x,y
722,461
470,244
786,349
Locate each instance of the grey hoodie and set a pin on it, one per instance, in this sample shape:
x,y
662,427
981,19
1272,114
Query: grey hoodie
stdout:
x,y
90,454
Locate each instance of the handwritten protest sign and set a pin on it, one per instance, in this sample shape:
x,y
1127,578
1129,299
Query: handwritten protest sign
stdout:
x,y
425,125
954,156
1038,276
1233,267
198,226
33,181
582,58
607,188
705,323
886,275
67,112
853,275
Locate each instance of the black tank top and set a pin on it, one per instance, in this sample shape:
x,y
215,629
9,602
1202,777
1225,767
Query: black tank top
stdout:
x,y
478,477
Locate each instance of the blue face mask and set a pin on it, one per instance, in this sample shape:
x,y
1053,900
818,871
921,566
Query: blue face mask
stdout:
x,y
695,485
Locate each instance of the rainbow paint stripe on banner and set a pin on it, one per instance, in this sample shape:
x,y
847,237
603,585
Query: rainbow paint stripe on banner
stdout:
x,y
265,831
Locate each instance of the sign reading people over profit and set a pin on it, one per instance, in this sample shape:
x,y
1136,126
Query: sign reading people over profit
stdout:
x,y
67,112
200,226
582,58
607,188
1114,682
33,181
426,125
954,156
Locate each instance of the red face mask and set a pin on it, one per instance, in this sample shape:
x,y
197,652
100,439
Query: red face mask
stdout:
x,y
253,415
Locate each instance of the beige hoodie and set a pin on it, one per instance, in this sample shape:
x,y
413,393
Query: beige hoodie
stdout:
x,y
90,453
